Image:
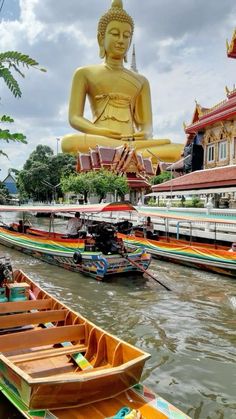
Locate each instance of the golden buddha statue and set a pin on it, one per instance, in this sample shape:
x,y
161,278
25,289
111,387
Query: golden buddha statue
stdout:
x,y
119,98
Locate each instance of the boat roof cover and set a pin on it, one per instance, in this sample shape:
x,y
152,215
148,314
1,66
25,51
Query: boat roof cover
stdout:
x,y
87,208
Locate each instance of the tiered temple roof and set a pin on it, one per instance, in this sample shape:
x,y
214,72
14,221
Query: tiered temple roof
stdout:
x,y
226,109
204,117
122,160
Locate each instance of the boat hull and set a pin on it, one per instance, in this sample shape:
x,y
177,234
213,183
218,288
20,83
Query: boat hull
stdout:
x,y
51,357
64,393
150,405
60,253
196,255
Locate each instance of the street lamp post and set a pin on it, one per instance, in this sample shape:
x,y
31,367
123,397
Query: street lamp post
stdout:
x,y
53,187
57,139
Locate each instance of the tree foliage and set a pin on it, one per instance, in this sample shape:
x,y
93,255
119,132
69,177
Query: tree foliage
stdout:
x,y
163,177
13,61
42,172
100,183
4,194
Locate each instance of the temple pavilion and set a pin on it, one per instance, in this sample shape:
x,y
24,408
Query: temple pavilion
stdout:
x,y
122,160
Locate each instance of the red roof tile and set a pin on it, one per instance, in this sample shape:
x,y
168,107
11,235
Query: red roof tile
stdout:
x,y
95,159
85,162
106,154
210,178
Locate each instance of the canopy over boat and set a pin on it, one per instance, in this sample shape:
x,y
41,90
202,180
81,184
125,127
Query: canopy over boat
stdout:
x,y
88,208
171,215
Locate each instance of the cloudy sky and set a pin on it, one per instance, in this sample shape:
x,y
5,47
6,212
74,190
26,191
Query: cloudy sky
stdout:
x,y
180,48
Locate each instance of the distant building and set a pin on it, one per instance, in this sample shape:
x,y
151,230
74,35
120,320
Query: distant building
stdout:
x,y
10,183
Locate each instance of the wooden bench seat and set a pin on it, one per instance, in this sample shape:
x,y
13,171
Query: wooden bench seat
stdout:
x,y
38,317
42,337
35,355
16,307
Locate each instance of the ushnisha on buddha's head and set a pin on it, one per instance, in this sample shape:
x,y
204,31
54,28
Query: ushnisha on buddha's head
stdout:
x,y
115,30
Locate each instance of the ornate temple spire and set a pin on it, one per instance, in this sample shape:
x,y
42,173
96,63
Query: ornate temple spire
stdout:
x,y
133,61
231,47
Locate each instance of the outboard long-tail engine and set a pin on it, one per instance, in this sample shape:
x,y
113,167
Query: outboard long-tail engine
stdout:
x,y
106,240
6,271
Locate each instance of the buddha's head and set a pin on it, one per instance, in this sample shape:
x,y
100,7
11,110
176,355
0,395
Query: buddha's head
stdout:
x,y
114,24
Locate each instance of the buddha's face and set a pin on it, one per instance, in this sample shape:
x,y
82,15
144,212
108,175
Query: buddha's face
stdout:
x,y
117,39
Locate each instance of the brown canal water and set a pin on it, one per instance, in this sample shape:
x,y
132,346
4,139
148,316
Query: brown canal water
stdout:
x,y
190,332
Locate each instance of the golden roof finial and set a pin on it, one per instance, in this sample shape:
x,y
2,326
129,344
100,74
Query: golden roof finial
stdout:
x,y
116,12
184,125
227,90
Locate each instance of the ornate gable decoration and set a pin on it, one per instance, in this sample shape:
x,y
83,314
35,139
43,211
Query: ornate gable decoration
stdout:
x,y
123,160
231,48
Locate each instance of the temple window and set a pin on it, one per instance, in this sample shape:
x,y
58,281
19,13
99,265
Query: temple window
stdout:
x,y
210,153
222,150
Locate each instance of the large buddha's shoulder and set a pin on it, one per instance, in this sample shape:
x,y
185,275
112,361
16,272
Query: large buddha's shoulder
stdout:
x,y
139,78
90,69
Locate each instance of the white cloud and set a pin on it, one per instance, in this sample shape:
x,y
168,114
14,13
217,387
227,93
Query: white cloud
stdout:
x,y
180,48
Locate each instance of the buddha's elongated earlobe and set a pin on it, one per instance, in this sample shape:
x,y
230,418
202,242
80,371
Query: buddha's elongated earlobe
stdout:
x,y
102,51
125,58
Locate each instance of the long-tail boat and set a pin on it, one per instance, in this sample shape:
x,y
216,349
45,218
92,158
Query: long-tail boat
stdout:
x,y
206,256
54,363
78,255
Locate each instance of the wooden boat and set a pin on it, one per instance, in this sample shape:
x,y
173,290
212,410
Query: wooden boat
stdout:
x,y
54,363
78,255
52,357
209,257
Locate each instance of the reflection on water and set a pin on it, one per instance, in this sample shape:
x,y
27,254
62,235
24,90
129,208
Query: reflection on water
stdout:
x,y
190,332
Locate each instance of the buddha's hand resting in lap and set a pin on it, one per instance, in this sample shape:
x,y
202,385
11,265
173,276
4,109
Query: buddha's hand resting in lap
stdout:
x,y
139,135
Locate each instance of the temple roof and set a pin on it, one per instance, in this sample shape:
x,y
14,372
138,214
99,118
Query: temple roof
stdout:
x,y
209,178
204,117
231,48
123,160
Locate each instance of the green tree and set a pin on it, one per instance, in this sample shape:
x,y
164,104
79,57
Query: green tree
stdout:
x,y
42,172
11,61
4,194
78,184
100,183
163,177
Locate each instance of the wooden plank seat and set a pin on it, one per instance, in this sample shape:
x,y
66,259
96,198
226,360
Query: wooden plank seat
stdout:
x,y
16,307
38,317
42,337
36,355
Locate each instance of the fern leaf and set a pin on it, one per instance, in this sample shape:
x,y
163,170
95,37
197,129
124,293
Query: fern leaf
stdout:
x,y
10,81
5,135
3,154
17,57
